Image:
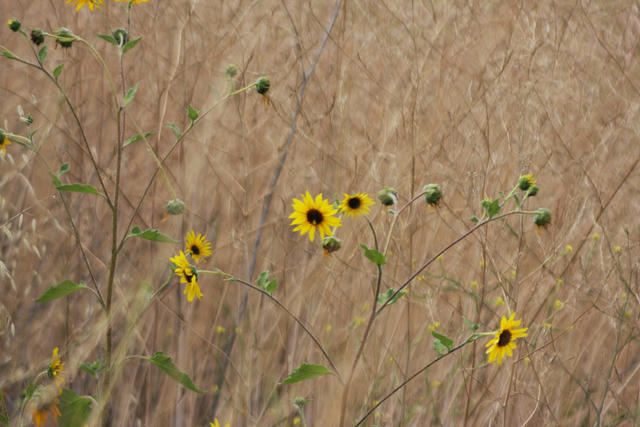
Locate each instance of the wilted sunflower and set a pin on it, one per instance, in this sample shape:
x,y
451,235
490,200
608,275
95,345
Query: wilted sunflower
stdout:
x,y
188,275
504,342
197,246
310,214
356,204
41,413
80,3
54,370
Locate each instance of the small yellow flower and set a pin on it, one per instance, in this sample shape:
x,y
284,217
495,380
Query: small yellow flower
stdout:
x,y
356,204
296,421
328,328
558,304
617,249
595,236
4,142
559,281
359,320
188,275
498,302
55,369
91,3
433,326
569,248
474,284
504,342
309,215
197,246
221,329
215,422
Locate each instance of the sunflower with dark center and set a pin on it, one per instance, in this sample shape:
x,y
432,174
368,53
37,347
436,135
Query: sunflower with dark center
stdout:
x,y
310,215
187,274
4,142
197,246
356,204
504,342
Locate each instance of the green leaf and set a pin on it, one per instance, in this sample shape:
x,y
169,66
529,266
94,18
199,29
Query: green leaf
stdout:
x,y
79,188
166,365
130,94
382,298
64,168
515,197
268,285
136,138
439,348
4,420
192,112
474,219
492,207
131,44
94,368
304,372
446,341
151,234
108,38
57,71
373,255
8,54
74,409
42,54
175,129
469,323
60,290
272,286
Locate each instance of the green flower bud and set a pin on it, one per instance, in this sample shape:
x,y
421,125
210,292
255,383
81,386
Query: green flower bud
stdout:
x,y
67,37
231,71
14,24
526,181
175,207
263,85
542,217
2,136
432,194
388,196
120,36
331,244
37,36
28,120
533,190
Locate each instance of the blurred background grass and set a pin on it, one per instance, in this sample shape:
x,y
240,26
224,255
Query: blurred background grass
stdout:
x,y
465,94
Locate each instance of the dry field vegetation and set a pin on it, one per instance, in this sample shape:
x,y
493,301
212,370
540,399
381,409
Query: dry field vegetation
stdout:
x,y
466,94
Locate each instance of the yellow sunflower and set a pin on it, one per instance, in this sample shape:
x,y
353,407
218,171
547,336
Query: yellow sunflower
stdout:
x,y
197,246
54,371
355,205
41,414
4,142
91,3
135,1
504,342
309,215
188,275
526,181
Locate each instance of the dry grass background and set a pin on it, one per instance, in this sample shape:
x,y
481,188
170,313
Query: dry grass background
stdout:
x,y
465,94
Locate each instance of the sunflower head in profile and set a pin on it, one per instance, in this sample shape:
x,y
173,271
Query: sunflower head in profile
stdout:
x,y
504,342
4,142
310,215
197,246
187,274
356,204
42,411
55,369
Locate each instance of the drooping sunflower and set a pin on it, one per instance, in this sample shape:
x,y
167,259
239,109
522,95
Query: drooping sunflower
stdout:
x,y
187,274
91,3
197,246
356,204
55,369
309,215
4,141
40,414
504,342
526,181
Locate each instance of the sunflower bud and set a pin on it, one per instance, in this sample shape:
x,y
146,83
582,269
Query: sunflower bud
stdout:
x,y
231,71
542,217
526,181
175,207
331,244
37,36
432,194
65,37
533,190
14,24
120,36
28,120
263,85
388,196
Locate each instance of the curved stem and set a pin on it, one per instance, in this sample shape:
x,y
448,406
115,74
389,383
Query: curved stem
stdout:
x,y
395,219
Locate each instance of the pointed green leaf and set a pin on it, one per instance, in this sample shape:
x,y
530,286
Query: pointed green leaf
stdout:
x,y
42,54
108,38
79,188
492,207
474,219
136,138
373,255
272,286
60,290
446,341
175,129
151,234
268,285
166,365
439,348
9,54
192,112
64,168
57,71
515,197
382,298
131,93
304,372
131,44
74,409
